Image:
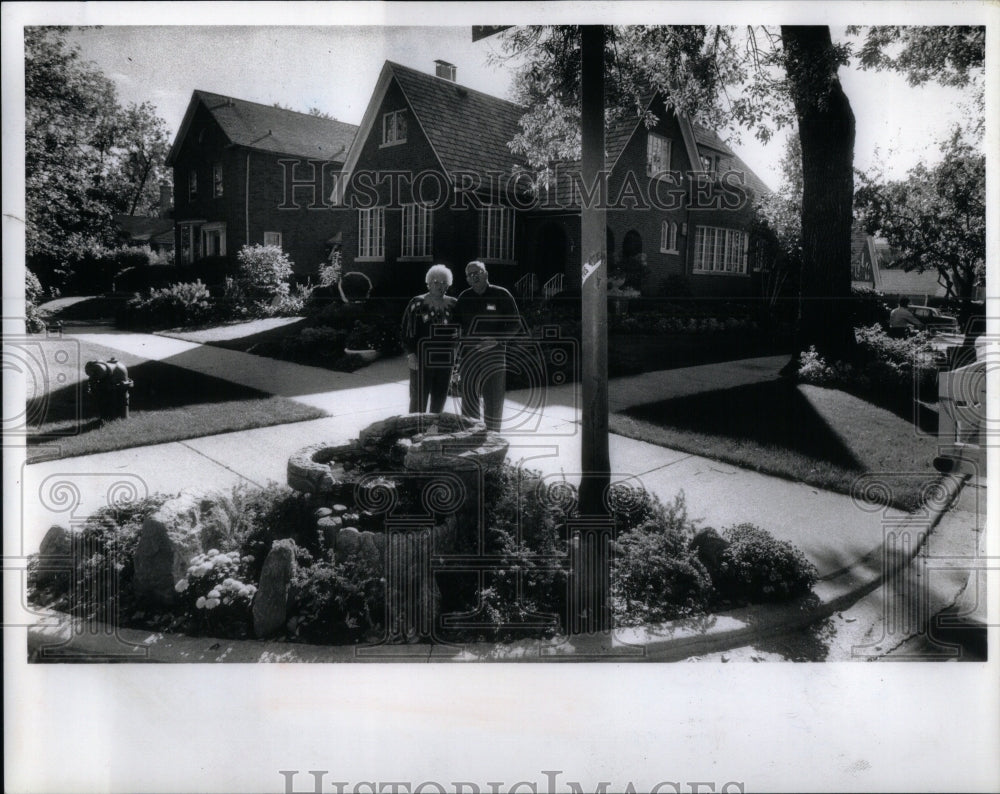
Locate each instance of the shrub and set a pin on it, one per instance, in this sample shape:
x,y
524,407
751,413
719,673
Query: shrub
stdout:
x,y
657,576
890,366
321,342
292,304
142,277
329,272
32,297
178,305
101,585
263,273
265,515
375,335
655,580
756,567
341,601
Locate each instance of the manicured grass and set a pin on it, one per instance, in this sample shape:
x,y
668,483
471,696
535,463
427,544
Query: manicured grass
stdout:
x,y
632,354
823,437
168,403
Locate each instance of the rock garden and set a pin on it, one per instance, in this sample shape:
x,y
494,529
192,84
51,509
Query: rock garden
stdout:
x,y
416,531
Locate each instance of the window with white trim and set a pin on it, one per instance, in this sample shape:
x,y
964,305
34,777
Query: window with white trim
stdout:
x,y
192,185
394,128
668,237
718,250
217,180
371,233
272,238
496,234
657,153
418,232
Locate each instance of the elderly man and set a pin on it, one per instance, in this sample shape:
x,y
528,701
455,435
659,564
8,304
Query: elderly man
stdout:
x,y
488,316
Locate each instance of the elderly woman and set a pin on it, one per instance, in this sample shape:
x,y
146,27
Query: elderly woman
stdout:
x,y
429,337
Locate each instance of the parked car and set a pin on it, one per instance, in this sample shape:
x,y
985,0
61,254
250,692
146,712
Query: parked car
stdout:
x,y
934,320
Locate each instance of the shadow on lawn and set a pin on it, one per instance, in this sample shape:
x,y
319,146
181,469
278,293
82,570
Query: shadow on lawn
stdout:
x,y
158,386
773,413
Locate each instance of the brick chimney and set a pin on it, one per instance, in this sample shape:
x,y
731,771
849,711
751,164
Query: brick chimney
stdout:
x,y
166,199
445,70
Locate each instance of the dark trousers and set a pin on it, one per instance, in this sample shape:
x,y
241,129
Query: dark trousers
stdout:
x,y
429,384
484,385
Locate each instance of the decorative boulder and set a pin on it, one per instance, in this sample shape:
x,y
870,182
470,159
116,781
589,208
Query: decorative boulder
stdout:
x,y
55,557
709,545
183,527
270,605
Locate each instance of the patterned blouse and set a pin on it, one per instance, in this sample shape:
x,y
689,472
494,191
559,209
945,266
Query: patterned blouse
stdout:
x,y
420,318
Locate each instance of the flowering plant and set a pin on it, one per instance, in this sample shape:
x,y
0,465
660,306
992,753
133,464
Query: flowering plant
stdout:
x,y
213,591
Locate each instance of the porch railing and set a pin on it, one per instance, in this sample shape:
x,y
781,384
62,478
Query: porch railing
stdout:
x,y
553,286
526,286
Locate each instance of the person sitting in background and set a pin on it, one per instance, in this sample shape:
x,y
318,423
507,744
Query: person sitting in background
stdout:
x,y
429,354
901,319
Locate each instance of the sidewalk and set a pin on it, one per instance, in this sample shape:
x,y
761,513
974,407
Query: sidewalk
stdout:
x,y
841,537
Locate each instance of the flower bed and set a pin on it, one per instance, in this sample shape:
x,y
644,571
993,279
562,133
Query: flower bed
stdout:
x,y
892,368
398,560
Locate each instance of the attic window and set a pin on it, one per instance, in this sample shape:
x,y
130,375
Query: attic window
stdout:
x,y
657,154
394,128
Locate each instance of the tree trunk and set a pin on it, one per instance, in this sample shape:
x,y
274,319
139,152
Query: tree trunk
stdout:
x,y
826,132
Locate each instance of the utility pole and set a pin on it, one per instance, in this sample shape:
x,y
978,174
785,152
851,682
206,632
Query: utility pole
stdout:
x,y
596,463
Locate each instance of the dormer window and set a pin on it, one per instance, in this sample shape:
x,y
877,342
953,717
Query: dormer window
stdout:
x,y
394,128
710,163
657,154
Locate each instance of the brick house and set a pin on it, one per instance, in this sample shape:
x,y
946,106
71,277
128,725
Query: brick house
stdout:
x,y
430,178
246,173
872,266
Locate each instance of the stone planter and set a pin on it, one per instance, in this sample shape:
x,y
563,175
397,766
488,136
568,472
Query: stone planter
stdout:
x,y
405,491
366,355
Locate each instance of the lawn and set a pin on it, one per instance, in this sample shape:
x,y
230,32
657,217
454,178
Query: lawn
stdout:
x,y
168,403
823,437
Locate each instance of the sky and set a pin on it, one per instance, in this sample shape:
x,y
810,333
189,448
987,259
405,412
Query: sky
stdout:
x,y
335,67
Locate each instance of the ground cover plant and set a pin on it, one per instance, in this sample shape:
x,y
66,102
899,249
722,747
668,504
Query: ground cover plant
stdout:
x,y
665,567
824,437
168,403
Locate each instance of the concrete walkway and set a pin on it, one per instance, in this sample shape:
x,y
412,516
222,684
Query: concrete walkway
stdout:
x,y
838,534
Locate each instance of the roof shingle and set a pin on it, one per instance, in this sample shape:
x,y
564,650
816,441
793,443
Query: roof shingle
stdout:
x,y
468,129
278,130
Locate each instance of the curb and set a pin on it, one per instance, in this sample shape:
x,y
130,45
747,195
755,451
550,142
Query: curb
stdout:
x,y
60,638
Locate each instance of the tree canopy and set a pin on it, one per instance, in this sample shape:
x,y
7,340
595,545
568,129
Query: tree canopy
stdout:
x,y
935,219
758,79
87,157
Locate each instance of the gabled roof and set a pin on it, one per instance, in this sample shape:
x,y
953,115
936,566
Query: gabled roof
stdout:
x,y
467,129
896,281
695,139
269,129
140,227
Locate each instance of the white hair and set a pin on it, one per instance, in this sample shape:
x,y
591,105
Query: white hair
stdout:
x,y
438,270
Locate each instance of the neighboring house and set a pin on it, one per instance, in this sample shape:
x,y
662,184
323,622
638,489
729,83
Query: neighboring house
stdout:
x,y
246,173
155,233
872,266
431,178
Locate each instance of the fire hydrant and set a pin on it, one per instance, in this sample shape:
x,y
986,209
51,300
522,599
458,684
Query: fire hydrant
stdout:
x,y
109,387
